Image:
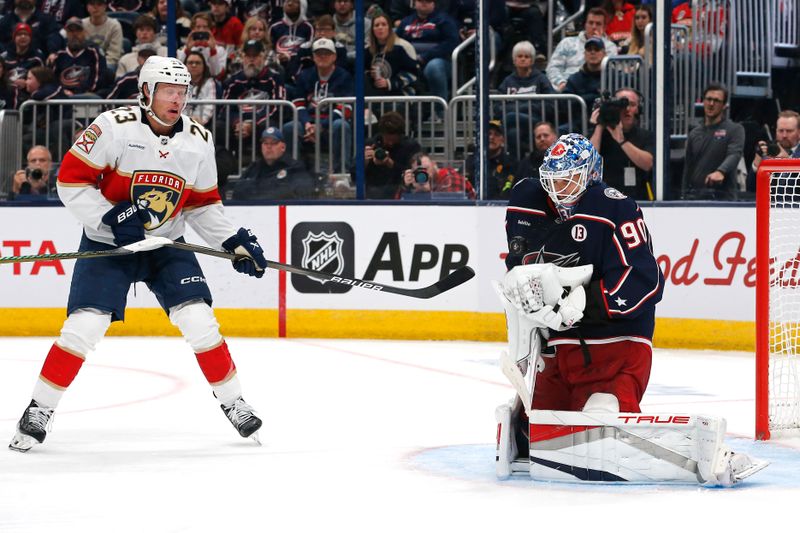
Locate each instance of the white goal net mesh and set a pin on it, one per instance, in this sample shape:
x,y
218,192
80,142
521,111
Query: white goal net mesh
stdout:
x,y
784,301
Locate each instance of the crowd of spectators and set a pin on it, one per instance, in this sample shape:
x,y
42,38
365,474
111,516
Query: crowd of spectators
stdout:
x,y
302,51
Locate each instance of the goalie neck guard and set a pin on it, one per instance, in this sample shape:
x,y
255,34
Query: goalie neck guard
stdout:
x,y
570,166
157,70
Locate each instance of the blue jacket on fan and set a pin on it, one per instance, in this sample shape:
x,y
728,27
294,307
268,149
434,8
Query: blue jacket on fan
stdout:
x,y
435,36
607,230
309,90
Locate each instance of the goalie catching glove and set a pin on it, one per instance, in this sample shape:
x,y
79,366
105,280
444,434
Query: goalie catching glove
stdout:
x,y
539,292
245,243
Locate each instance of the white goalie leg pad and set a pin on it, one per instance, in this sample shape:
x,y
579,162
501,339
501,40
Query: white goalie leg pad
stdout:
x,y
507,456
83,329
197,323
634,447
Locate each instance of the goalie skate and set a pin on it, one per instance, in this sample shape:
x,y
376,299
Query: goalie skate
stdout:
x,y
243,418
31,428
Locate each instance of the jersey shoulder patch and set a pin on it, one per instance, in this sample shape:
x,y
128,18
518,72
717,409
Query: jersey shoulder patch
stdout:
x,y
614,194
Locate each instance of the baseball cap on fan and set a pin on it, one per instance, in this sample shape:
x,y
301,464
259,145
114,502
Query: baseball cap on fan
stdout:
x,y
73,22
253,46
272,133
595,42
323,44
21,26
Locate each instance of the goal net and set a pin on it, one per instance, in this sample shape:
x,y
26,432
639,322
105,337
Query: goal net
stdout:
x,y
778,298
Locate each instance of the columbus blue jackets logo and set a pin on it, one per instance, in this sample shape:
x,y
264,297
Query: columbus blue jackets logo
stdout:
x,y
158,193
324,246
543,256
614,194
74,76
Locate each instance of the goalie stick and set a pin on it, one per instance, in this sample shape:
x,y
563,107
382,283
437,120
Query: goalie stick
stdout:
x,y
452,280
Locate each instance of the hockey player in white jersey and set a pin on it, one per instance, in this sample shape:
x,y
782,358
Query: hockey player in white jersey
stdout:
x,y
137,172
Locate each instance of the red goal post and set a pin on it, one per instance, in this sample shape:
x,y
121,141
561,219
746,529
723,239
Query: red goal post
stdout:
x,y
777,298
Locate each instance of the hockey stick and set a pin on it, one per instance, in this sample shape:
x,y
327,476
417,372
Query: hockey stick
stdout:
x,y
454,279
150,243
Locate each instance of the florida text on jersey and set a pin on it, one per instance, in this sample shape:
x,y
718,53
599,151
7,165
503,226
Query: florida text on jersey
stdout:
x,y
119,157
607,230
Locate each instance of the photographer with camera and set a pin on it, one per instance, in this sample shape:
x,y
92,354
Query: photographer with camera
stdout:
x,y
425,176
786,143
34,179
387,155
627,149
713,151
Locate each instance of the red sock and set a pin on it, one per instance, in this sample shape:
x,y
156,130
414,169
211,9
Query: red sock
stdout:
x,y
60,367
216,364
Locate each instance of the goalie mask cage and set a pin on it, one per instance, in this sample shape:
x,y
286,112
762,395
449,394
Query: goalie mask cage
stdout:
x,y
777,298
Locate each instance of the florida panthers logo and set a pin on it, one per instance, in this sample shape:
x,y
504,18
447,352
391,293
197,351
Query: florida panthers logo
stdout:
x,y
158,193
323,251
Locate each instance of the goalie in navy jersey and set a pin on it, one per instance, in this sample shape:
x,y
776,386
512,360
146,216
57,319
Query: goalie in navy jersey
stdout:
x,y
139,171
599,346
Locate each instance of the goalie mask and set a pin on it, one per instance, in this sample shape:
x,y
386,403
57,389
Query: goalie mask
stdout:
x,y
570,166
157,70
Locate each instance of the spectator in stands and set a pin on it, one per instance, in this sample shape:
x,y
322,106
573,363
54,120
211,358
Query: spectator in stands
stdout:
x,y
786,144
326,80
626,148
544,135
270,11
344,17
62,10
182,22
127,86
387,155
34,179
9,92
567,58
586,81
713,150
255,82
619,18
21,56
324,28
426,176
203,87
255,29
642,17
392,61
526,79
57,133
202,40
276,176
434,35
81,67
145,27
227,28
291,31
104,32
501,165
45,37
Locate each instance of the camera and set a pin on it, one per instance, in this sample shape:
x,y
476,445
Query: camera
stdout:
x,y
773,149
610,109
34,174
420,175
380,151
200,35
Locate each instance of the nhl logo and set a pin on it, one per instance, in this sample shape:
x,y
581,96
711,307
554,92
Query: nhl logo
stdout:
x,y
323,251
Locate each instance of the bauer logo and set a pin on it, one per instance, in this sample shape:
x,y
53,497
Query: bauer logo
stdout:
x,y
327,247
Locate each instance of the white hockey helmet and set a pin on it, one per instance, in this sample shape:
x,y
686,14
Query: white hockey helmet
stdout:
x,y
158,69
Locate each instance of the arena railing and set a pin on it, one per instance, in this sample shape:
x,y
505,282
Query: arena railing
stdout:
x,y
553,29
519,114
627,71
416,111
752,25
61,120
468,43
786,20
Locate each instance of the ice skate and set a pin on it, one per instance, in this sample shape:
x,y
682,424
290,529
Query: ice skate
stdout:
x,y
736,466
243,418
32,427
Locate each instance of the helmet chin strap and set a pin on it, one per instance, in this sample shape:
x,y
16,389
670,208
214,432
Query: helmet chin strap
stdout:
x,y
152,114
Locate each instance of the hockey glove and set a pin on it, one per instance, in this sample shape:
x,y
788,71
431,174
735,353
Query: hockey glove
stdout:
x,y
565,314
126,222
245,243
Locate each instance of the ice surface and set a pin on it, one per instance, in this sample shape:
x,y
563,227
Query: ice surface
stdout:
x,y
358,436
